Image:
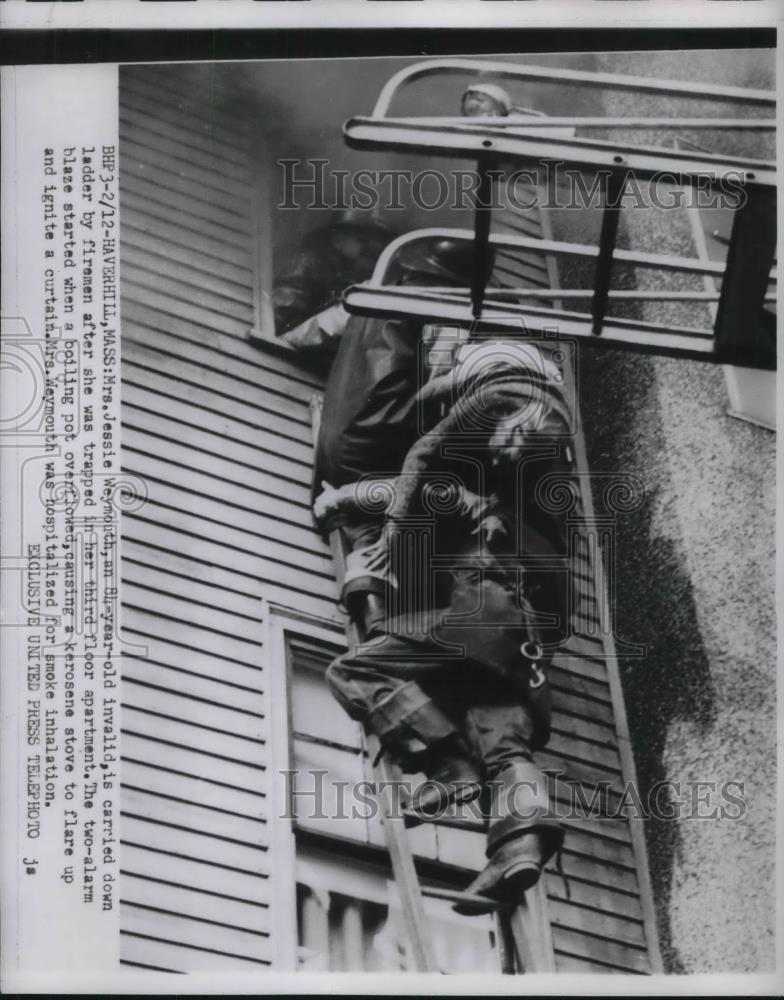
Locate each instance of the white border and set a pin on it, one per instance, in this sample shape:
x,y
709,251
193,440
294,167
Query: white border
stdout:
x,y
310,14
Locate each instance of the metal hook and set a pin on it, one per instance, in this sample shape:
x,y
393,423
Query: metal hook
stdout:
x,y
531,650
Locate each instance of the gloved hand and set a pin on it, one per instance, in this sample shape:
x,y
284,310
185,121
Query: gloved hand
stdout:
x,y
326,502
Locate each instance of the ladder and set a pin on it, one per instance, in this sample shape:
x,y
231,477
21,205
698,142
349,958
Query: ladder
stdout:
x,y
524,938
743,331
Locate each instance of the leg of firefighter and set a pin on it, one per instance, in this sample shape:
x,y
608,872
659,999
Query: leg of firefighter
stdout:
x,y
522,834
375,685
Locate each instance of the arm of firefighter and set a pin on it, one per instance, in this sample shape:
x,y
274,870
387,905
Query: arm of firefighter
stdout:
x,y
368,496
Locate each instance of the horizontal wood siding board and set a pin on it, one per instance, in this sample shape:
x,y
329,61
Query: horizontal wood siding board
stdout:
x,y
294,464
179,607
572,716
149,952
590,691
151,636
183,565
604,925
196,742
227,132
162,786
241,701
224,356
577,769
566,962
190,761
191,89
613,853
190,714
320,602
139,115
598,949
209,317
204,287
139,372
165,527
171,180
196,933
214,439
573,747
180,145
165,581
587,665
603,898
593,872
148,455
190,902
149,233
204,218
177,365
192,636
210,180
195,816
177,866
177,783
168,836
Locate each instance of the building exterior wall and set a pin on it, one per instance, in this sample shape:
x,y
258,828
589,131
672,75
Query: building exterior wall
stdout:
x,y
696,581
221,435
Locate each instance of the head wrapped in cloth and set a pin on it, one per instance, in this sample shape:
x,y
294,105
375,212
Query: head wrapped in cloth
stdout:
x,y
485,99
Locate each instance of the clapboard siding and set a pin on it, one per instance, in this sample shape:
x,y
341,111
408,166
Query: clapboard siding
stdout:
x,y
219,431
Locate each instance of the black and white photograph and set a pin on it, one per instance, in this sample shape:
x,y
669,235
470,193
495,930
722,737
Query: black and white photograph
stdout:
x,y
435,537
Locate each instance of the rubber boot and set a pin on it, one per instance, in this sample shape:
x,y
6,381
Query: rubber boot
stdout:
x,y
417,736
521,838
368,611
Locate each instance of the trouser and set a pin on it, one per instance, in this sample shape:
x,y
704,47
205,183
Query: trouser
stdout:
x,y
364,592
413,703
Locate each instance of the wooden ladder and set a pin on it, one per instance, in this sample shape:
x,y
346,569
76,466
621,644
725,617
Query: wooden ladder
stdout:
x,y
524,935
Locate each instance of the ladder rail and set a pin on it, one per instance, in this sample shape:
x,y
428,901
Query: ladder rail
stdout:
x,y
400,855
562,75
542,122
403,868
559,248
524,934
530,146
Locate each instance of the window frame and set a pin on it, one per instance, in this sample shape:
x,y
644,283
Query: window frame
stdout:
x,y
280,623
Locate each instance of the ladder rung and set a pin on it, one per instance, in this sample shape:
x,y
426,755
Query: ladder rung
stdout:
x,y
607,238
455,896
413,818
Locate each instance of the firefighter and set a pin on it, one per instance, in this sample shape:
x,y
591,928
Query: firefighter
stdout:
x,y
370,419
459,690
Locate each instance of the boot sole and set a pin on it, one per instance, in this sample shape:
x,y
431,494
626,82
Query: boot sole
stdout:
x,y
465,794
520,877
